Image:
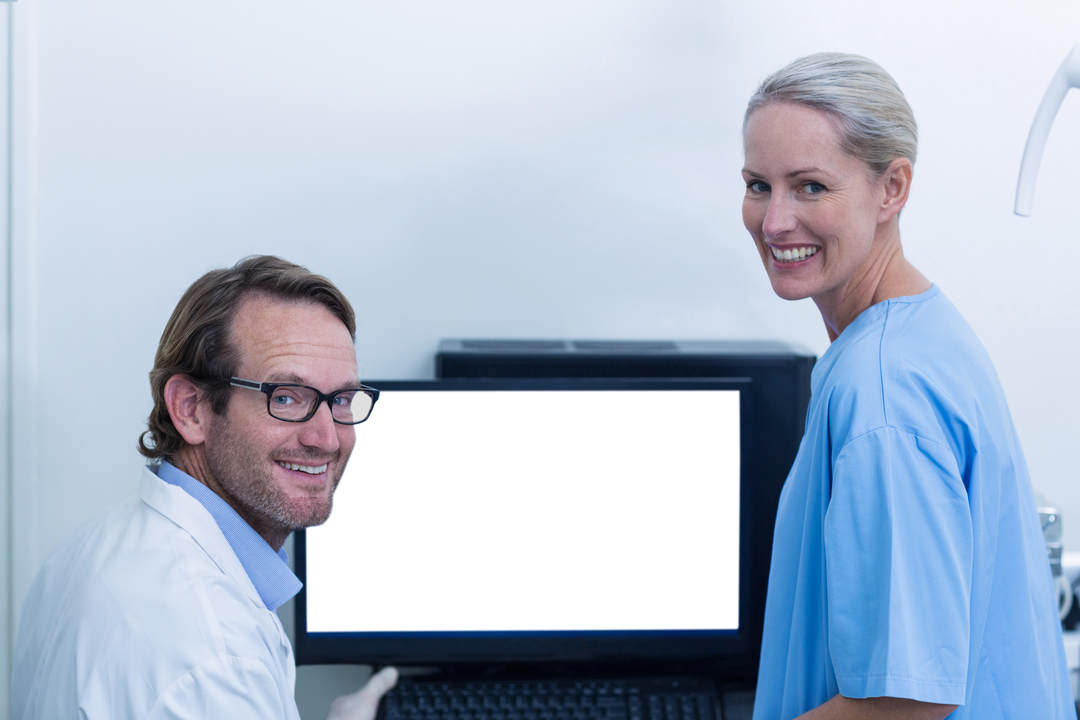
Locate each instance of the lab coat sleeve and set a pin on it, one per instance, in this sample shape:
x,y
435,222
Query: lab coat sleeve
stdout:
x,y
228,687
898,555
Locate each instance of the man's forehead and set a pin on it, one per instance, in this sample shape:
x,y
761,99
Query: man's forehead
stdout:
x,y
280,343
303,364
273,333
273,319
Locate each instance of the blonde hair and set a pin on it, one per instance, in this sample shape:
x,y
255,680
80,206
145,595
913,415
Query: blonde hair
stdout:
x,y
872,117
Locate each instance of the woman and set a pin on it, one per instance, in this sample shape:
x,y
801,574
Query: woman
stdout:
x,y
909,575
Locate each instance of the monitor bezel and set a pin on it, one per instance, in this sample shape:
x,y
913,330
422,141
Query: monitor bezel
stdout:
x,y
622,649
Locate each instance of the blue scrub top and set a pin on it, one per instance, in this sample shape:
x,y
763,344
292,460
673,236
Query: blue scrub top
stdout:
x,y
908,560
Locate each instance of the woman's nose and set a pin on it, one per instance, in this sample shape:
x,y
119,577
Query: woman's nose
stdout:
x,y
779,218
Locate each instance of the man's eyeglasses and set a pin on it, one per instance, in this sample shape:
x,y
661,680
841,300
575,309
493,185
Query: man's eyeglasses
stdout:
x,y
297,403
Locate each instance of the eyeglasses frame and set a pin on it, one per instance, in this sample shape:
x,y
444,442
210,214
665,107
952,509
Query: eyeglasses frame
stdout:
x,y
269,388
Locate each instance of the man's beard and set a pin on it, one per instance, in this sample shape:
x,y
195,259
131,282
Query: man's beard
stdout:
x,y
248,480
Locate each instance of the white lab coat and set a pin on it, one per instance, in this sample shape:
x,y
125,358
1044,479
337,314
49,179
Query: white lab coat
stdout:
x,y
146,612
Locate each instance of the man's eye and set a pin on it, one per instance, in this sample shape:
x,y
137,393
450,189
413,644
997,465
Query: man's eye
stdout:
x,y
344,399
283,399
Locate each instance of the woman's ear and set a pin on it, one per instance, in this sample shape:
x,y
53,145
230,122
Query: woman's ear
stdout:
x,y
896,181
189,409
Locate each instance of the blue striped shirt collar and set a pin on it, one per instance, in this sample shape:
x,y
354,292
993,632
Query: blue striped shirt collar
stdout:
x,y
268,570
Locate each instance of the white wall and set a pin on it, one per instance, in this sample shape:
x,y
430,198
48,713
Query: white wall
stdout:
x,y
487,169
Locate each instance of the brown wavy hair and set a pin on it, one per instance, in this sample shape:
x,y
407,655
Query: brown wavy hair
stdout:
x,y
197,340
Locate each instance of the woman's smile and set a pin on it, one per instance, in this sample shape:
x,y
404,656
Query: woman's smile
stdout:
x,y
793,255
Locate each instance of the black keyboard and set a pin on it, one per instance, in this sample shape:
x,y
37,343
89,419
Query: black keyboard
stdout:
x,y
628,699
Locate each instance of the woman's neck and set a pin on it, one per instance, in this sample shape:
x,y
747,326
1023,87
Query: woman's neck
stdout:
x,y
886,274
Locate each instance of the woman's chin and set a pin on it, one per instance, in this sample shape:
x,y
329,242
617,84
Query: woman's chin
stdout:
x,y
789,290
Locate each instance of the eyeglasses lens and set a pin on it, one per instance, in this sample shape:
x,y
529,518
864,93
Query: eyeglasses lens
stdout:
x,y
362,407
292,403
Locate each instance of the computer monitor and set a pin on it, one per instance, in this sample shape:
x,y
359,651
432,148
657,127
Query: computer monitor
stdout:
x,y
522,522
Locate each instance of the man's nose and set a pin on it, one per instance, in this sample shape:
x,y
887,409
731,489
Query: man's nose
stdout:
x,y
779,217
320,431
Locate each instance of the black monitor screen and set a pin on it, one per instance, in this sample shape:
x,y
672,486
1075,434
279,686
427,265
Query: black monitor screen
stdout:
x,y
533,520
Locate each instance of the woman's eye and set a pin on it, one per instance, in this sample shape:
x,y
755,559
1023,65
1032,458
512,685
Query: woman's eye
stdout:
x,y
814,188
758,186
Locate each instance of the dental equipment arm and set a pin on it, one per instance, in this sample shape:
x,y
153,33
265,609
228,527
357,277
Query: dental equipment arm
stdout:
x,y
1067,76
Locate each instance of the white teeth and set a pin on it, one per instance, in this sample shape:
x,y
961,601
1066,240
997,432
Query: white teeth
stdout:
x,y
790,255
309,469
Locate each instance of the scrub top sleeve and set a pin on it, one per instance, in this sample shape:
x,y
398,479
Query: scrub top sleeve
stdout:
x,y
898,558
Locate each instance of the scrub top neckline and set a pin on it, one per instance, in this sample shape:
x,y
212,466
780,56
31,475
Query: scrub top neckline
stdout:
x,y
870,314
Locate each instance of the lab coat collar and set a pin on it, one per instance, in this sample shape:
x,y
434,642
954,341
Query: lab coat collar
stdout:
x,y
179,507
268,570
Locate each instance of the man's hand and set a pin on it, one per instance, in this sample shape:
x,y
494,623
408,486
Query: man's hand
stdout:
x,y
364,703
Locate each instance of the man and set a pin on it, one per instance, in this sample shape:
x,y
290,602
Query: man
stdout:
x,y
163,607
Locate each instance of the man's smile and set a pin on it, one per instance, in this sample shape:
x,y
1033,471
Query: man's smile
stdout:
x,y
309,469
